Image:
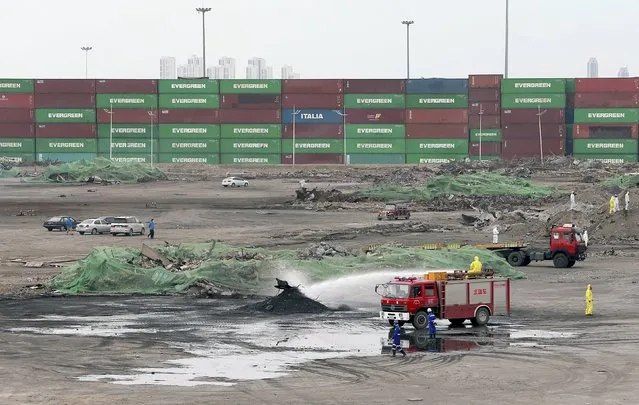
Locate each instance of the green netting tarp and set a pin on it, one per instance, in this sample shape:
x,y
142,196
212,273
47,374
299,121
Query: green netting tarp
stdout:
x,y
467,185
6,173
628,180
121,270
105,169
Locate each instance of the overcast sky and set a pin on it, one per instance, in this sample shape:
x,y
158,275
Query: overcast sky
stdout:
x,y
320,39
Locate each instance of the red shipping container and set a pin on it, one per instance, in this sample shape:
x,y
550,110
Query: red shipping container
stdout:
x,y
312,86
323,101
126,116
489,108
529,148
250,101
605,131
65,100
487,149
314,159
529,115
452,116
16,115
190,116
527,131
606,100
313,131
126,86
66,131
483,95
16,100
487,121
250,116
65,86
375,86
17,131
437,131
607,85
485,81
381,116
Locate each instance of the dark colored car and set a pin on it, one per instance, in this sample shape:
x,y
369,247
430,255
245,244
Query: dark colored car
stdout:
x,y
59,223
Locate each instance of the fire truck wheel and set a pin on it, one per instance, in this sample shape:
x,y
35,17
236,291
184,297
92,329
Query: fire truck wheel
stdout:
x,y
571,263
560,261
456,323
481,317
420,320
515,259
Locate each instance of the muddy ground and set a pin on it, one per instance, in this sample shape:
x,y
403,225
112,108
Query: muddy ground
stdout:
x,y
551,353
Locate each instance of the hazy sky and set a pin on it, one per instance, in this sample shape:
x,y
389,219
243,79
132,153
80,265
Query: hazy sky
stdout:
x,y
322,39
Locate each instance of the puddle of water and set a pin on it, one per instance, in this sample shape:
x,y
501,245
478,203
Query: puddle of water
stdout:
x,y
540,334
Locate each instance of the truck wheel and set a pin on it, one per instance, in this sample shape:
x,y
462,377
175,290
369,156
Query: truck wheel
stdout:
x,y
560,261
379,218
456,323
515,259
571,263
420,320
481,317
526,261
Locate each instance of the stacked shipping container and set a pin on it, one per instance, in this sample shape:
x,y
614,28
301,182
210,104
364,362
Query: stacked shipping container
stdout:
x,y
606,119
528,105
17,142
484,116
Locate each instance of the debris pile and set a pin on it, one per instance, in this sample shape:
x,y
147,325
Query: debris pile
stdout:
x,y
101,171
322,250
243,255
318,195
290,300
402,177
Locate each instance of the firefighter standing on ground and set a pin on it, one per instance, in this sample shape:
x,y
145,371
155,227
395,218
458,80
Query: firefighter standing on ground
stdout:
x,y
475,266
612,204
589,300
432,329
397,341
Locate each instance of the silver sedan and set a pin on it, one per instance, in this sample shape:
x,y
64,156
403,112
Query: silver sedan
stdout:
x,y
93,226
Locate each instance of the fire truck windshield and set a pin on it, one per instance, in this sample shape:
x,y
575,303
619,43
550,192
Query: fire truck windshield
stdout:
x,y
396,290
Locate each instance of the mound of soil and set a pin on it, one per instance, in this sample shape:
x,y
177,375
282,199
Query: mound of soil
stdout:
x,y
289,301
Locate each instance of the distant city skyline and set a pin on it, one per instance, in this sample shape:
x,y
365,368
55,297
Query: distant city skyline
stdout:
x,y
256,68
592,70
623,72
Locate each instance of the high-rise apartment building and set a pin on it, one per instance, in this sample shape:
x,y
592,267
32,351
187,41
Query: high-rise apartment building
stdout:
x,y
623,72
168,68
224,70
288,73
193,67
257,69
593,68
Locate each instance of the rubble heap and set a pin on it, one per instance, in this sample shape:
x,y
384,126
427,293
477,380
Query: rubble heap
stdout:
x,y
290,300
322,250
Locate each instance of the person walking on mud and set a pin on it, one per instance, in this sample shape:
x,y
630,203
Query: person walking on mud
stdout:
x,y
151,229
68,225
589,300
397,341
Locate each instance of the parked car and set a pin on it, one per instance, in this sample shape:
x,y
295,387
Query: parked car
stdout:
x,y
235,182
127,226
93,226
59,223
107,219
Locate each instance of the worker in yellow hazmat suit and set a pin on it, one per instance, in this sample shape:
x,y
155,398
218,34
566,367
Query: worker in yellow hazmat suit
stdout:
x,y
612,204
589,300
475,266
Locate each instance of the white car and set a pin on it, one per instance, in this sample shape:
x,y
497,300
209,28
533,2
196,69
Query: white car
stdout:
x,y
235,182
93,226
126,226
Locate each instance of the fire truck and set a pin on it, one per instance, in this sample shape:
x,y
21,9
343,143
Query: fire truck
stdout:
x,y
454,296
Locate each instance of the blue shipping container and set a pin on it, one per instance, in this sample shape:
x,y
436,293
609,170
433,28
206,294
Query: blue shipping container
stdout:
x,y
570,116
437,86
305,116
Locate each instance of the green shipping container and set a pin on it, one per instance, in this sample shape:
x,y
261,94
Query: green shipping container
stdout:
x,y
239,131
437,146
205,146
244,159
428,158
605,146
190,158
251,146
16,86
571,85
64,115
375,146
376,159
191,101
130,131
131,157
374,101
557,100
65,157
606,115
250,86
437,101
313,146
189,131
533,86
66,145
486,135
121,145
17,145
17,157
188,86
368,131
613,158
123,101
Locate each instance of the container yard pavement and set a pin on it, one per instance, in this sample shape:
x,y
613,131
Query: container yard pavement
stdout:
x,y
553,354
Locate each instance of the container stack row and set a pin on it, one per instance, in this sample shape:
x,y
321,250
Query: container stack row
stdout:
x,y
484,116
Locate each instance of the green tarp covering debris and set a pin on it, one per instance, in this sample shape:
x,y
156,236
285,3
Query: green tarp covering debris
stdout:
x,y
104,169
628,180
7,173
467,185
246,271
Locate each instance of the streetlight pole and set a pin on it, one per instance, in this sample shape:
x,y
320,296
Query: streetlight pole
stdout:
x,y
86,50
541,142
343,114
408,24
506,44
151,115
110,112
203,10
295,112
481,135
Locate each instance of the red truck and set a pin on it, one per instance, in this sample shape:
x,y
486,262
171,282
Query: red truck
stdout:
x,y
476,298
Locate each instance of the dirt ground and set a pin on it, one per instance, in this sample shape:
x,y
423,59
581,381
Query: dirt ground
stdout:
x,y
597,365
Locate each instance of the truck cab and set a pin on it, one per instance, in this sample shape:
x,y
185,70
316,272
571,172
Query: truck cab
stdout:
x,y
567,245
406,295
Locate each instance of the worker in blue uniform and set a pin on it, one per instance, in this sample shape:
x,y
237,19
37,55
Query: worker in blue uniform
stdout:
x,y
397,342
432,329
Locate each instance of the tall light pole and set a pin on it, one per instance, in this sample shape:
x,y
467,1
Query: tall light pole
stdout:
x,y
541,142
343,114
86,50
408,24
151,114
481,135
506,44
203,10
110,112
294,113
